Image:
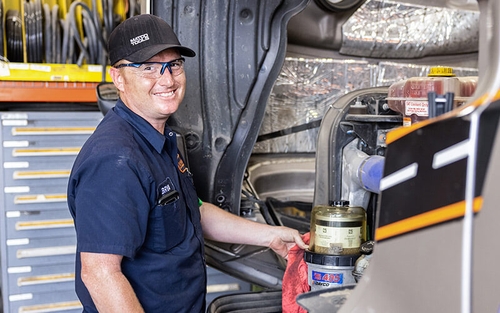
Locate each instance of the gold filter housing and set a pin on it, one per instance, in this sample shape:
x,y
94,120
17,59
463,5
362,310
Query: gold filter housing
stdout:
x,y
337,229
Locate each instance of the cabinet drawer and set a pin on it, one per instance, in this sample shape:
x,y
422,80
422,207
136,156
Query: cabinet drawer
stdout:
x,y
37,278
47,302
35,201
41,251
39,224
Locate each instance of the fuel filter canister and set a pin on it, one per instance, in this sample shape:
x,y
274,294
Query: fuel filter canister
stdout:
x,y
337,232
337,229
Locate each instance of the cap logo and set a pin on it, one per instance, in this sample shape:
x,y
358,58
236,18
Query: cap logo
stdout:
x,y
137,40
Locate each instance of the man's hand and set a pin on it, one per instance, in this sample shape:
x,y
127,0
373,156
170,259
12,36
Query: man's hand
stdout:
x,y
284,239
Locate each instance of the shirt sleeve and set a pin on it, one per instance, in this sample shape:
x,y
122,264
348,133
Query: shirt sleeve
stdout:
x,y
112,197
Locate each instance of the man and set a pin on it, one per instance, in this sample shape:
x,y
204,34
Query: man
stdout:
x,y
139,223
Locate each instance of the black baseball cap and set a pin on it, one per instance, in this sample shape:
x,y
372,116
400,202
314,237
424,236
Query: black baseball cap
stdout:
x,y
140,37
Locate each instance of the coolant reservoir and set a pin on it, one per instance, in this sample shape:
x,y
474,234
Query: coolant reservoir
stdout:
x,y
338,229
410,97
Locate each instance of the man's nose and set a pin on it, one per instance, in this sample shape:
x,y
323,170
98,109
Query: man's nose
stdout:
x,y
165,67
166,78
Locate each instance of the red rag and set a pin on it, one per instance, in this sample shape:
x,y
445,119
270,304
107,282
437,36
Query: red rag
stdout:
x,y
295,279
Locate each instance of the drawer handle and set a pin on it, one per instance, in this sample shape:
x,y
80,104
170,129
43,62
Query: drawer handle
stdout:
x,y
45,152
45,279
48,224
40,198
51,307
40,174
19,131
42,252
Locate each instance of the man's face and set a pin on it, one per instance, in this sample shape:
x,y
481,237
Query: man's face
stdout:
x,y
154,99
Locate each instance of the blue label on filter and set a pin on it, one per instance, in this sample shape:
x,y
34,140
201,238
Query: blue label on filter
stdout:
x,y
332,278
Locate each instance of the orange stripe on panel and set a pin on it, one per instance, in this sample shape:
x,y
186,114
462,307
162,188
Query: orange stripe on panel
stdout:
x,y
426,219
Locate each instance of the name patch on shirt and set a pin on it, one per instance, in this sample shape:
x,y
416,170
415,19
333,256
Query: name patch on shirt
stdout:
x,y
167,192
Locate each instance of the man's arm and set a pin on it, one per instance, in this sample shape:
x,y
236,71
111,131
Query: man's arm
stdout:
x,y
109,288
223,226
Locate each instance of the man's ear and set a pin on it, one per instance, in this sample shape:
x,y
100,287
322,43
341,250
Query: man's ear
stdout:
x,y
117,77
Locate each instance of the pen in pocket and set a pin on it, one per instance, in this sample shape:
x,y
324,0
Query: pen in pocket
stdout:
x,y
168,197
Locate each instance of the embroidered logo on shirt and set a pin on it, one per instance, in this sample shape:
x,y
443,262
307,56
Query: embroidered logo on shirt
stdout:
x,y
180,165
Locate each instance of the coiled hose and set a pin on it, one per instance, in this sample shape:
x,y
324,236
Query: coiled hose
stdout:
x,y
93,44
53,40
13,28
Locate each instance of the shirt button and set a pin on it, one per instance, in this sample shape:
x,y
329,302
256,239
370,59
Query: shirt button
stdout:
x,y
170,134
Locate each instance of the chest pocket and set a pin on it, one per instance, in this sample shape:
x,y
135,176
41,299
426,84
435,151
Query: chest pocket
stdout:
x,y
167,227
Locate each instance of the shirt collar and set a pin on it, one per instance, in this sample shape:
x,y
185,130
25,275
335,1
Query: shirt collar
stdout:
x,y
156,139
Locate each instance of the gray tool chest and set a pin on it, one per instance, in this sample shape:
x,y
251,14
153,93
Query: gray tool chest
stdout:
x,y
37,233
38,243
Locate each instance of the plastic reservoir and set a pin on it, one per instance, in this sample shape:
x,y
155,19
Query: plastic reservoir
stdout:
x,y
410,97
338,229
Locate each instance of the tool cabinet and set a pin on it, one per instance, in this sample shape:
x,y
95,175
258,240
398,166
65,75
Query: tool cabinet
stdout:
x,y
37,234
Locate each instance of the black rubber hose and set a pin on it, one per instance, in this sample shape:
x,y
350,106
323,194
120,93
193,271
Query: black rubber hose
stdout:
x,y
39,30
71,44
48,33
91,38
2,46
95,14
2,22
134,8
65,40
34,40
80,59
107,9
27,30
109,25
72,23
32,33
56,28
14,36
74,29
32,22
27,27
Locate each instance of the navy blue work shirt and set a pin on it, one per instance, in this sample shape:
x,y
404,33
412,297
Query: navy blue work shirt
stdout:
x,y
117,179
